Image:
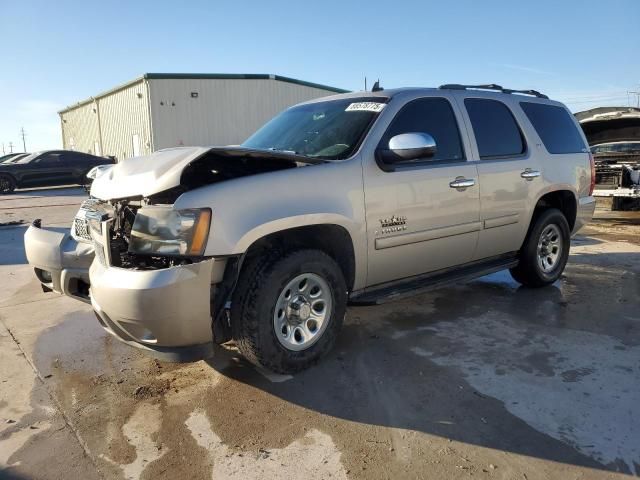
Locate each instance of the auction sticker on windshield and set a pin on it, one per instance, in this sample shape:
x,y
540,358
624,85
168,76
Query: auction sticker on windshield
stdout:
x,y
365,107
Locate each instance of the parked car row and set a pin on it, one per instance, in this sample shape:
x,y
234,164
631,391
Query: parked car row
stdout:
x,y
46,169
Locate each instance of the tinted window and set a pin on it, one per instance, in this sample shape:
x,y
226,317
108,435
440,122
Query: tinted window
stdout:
x,y
433,116
556,128
497,133
49,158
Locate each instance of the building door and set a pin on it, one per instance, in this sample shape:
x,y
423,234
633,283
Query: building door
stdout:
x,y
135,139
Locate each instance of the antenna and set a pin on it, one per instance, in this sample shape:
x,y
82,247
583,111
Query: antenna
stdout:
x,y
23,134
376,86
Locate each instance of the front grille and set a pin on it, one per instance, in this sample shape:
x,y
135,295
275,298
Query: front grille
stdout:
x,y
81,228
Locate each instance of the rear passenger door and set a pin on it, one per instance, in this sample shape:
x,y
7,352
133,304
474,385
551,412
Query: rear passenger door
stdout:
x,y
508,169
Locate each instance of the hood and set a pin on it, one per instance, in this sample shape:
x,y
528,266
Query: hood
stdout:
x,y
162,170
610,124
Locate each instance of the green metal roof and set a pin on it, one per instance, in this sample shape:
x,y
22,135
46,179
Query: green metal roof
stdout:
x,y
200,76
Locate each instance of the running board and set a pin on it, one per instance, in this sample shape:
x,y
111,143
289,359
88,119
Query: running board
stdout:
x,y
399,289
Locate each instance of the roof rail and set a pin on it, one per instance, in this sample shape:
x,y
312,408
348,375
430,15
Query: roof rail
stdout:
x,y
491,86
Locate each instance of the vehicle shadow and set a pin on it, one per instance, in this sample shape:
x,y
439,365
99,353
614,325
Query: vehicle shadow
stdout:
x,y
488,364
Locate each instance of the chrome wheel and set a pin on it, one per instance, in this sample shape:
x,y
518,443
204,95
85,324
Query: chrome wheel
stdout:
x,y
549,248
302,312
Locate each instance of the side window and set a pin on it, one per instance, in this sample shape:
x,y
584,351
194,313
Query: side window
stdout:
x,y
496,131
49,159
556,128
433,116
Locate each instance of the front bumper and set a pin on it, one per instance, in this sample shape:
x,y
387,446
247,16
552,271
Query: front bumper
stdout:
x,y
165,311
60,262
586,208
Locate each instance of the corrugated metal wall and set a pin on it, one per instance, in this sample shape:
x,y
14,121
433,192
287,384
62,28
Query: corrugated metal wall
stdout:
x,y
80,128
124,116
225,111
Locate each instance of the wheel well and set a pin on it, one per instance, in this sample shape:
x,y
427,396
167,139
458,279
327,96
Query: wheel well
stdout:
x,y
334,240
563,200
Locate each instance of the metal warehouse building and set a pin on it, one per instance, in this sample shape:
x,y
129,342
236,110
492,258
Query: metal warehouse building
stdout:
x,y
160,110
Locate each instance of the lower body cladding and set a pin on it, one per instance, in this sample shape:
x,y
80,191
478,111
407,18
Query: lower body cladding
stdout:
x,y
165,311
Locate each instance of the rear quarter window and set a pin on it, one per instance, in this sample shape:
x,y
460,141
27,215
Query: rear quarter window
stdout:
x,y
555,127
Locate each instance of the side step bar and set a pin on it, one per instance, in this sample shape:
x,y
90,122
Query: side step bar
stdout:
x,y
399,289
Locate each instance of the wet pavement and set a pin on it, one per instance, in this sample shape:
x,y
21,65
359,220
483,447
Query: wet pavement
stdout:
x,y
486,380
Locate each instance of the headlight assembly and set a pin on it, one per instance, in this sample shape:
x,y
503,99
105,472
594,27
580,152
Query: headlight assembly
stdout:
x,y
98,171
165,231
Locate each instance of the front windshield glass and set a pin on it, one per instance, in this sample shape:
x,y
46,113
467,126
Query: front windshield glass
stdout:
x,y
28,158
331,130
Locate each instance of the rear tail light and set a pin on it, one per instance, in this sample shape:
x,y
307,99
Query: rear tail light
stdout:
x,y
593,174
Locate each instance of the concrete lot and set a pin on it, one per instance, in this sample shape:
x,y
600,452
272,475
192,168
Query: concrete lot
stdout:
x,y
486,380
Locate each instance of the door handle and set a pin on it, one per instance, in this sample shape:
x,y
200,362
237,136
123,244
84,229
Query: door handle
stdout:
x,y
462,183
529,174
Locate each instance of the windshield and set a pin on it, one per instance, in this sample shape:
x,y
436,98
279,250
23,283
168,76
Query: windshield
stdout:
x,y
30,157
331,130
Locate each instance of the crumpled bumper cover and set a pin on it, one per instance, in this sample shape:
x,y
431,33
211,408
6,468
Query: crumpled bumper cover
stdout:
x,y
58,256
159,310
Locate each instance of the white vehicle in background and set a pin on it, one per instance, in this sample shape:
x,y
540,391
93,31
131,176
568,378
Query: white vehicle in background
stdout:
x,y
613,134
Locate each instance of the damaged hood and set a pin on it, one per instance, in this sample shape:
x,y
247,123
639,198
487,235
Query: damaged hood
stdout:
x,y
610,124
162,170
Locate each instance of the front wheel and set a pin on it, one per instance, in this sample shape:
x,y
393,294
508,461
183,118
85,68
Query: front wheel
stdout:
x,y
287,309
7,184
545,251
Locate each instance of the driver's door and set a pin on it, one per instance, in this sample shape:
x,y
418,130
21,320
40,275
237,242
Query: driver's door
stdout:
x,y
416,221
47,170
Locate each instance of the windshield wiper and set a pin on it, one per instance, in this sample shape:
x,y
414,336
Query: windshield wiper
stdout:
x,y
274,149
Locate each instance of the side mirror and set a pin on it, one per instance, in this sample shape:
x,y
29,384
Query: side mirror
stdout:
x,y
408,147
412,146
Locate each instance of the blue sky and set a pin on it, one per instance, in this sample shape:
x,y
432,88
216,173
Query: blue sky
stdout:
x,y
55,53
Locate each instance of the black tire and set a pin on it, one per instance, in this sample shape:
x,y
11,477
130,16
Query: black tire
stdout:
x,y
7,184
254,302
529,272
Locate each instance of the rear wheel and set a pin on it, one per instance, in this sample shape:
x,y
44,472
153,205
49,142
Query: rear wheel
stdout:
x,y
288,309
545,251
7,184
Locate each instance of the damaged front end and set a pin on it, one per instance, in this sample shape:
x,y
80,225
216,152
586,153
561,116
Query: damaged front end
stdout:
x,y
145,270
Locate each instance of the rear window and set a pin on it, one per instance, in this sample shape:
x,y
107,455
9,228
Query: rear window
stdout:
x,y
555,127
496,131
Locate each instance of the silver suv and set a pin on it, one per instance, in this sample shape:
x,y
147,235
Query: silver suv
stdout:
x,y
356,198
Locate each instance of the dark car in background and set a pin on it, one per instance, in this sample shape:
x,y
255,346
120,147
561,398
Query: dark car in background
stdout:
x,y
49,168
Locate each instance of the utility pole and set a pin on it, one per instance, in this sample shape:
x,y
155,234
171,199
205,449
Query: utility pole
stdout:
x,y
10,147
3,152
23,135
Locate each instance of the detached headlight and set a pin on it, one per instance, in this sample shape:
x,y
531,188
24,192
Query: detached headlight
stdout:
x,y
98,171
165,231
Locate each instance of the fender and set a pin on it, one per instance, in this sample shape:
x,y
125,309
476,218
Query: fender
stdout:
x,y
249,208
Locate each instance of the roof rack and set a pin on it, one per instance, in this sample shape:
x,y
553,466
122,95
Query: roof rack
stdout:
x,y
491,86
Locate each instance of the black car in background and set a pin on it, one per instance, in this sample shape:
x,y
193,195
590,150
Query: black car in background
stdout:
x,y
49,168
